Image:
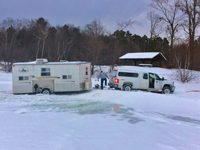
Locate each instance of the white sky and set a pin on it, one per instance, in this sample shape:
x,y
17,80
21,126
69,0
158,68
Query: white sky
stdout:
x,y
80,13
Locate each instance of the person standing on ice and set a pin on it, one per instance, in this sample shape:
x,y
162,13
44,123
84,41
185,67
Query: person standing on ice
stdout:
x,y
103,77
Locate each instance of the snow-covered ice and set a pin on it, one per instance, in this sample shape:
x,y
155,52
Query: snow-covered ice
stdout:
x,y
101,119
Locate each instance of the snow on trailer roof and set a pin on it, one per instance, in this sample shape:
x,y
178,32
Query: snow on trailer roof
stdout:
x,y
144,55
51,63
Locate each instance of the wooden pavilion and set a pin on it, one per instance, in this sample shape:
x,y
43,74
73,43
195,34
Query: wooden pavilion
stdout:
x,y
139,59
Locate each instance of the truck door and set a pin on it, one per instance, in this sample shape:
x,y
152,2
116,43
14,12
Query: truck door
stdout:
x,y
158,82
144,84
151,80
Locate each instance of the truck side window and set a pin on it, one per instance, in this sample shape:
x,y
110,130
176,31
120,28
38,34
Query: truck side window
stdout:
x,y
128,74
145,76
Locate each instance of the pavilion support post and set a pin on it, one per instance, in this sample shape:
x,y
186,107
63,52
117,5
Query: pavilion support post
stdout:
x,y
135,62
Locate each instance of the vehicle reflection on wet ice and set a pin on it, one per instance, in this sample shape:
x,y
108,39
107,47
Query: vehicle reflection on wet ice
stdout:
x,y
23,104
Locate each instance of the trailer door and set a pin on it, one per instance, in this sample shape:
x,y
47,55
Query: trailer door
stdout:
x,y
85,76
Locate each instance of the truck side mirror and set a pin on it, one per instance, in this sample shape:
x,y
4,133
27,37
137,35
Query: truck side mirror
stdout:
x,y
163,79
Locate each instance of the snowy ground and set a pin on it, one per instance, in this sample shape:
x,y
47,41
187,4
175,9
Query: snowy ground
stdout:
x,y
101,119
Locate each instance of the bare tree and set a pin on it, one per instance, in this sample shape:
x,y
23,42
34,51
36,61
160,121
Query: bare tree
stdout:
x,y
17,24
9,29
182,60
169,11
156,24
41,33
6,46
95,29
124,24
190,23
66,38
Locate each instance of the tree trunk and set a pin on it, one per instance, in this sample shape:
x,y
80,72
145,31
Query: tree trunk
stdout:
x,y
38,48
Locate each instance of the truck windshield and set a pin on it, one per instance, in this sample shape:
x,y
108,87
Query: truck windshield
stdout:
x,y
113,73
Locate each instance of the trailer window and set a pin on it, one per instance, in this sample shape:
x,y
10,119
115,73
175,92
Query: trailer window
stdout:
x,y
64,76
26,78
69,76
45,72
21,78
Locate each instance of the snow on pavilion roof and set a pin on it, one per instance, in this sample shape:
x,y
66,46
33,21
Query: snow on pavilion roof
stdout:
x,y
144,55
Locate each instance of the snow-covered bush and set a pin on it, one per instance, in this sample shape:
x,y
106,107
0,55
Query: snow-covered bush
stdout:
x,y
185,75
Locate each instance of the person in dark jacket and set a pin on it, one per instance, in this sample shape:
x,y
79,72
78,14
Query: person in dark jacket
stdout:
x,y
103,77
36,87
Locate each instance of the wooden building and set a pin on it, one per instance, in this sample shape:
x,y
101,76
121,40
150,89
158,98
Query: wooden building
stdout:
x,y
144,58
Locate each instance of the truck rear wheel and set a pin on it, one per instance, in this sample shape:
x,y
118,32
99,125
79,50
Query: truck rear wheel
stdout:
x,y
46,92
127,88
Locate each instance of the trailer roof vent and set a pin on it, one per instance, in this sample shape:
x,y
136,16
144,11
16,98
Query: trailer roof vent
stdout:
x,y
63,61
41,60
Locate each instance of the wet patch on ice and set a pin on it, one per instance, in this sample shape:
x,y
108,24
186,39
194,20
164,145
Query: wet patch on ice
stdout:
x,y
182,119
22,111
193,91
74,106
88,107
23,104
128,114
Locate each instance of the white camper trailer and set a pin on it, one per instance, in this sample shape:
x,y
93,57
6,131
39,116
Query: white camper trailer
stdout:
x,y
46,77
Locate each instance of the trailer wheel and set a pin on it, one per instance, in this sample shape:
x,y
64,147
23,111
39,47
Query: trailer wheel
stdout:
x,y
46,92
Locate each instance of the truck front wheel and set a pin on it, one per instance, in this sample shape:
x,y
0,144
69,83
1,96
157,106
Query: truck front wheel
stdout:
x,y
166,90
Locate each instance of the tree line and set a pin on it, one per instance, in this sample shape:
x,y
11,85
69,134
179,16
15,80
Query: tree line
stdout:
x,y
26,40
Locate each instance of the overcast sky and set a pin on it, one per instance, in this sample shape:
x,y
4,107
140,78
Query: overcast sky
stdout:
x,y
81,12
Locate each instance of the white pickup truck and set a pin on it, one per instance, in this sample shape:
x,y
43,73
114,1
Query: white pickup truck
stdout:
x,y
128,80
